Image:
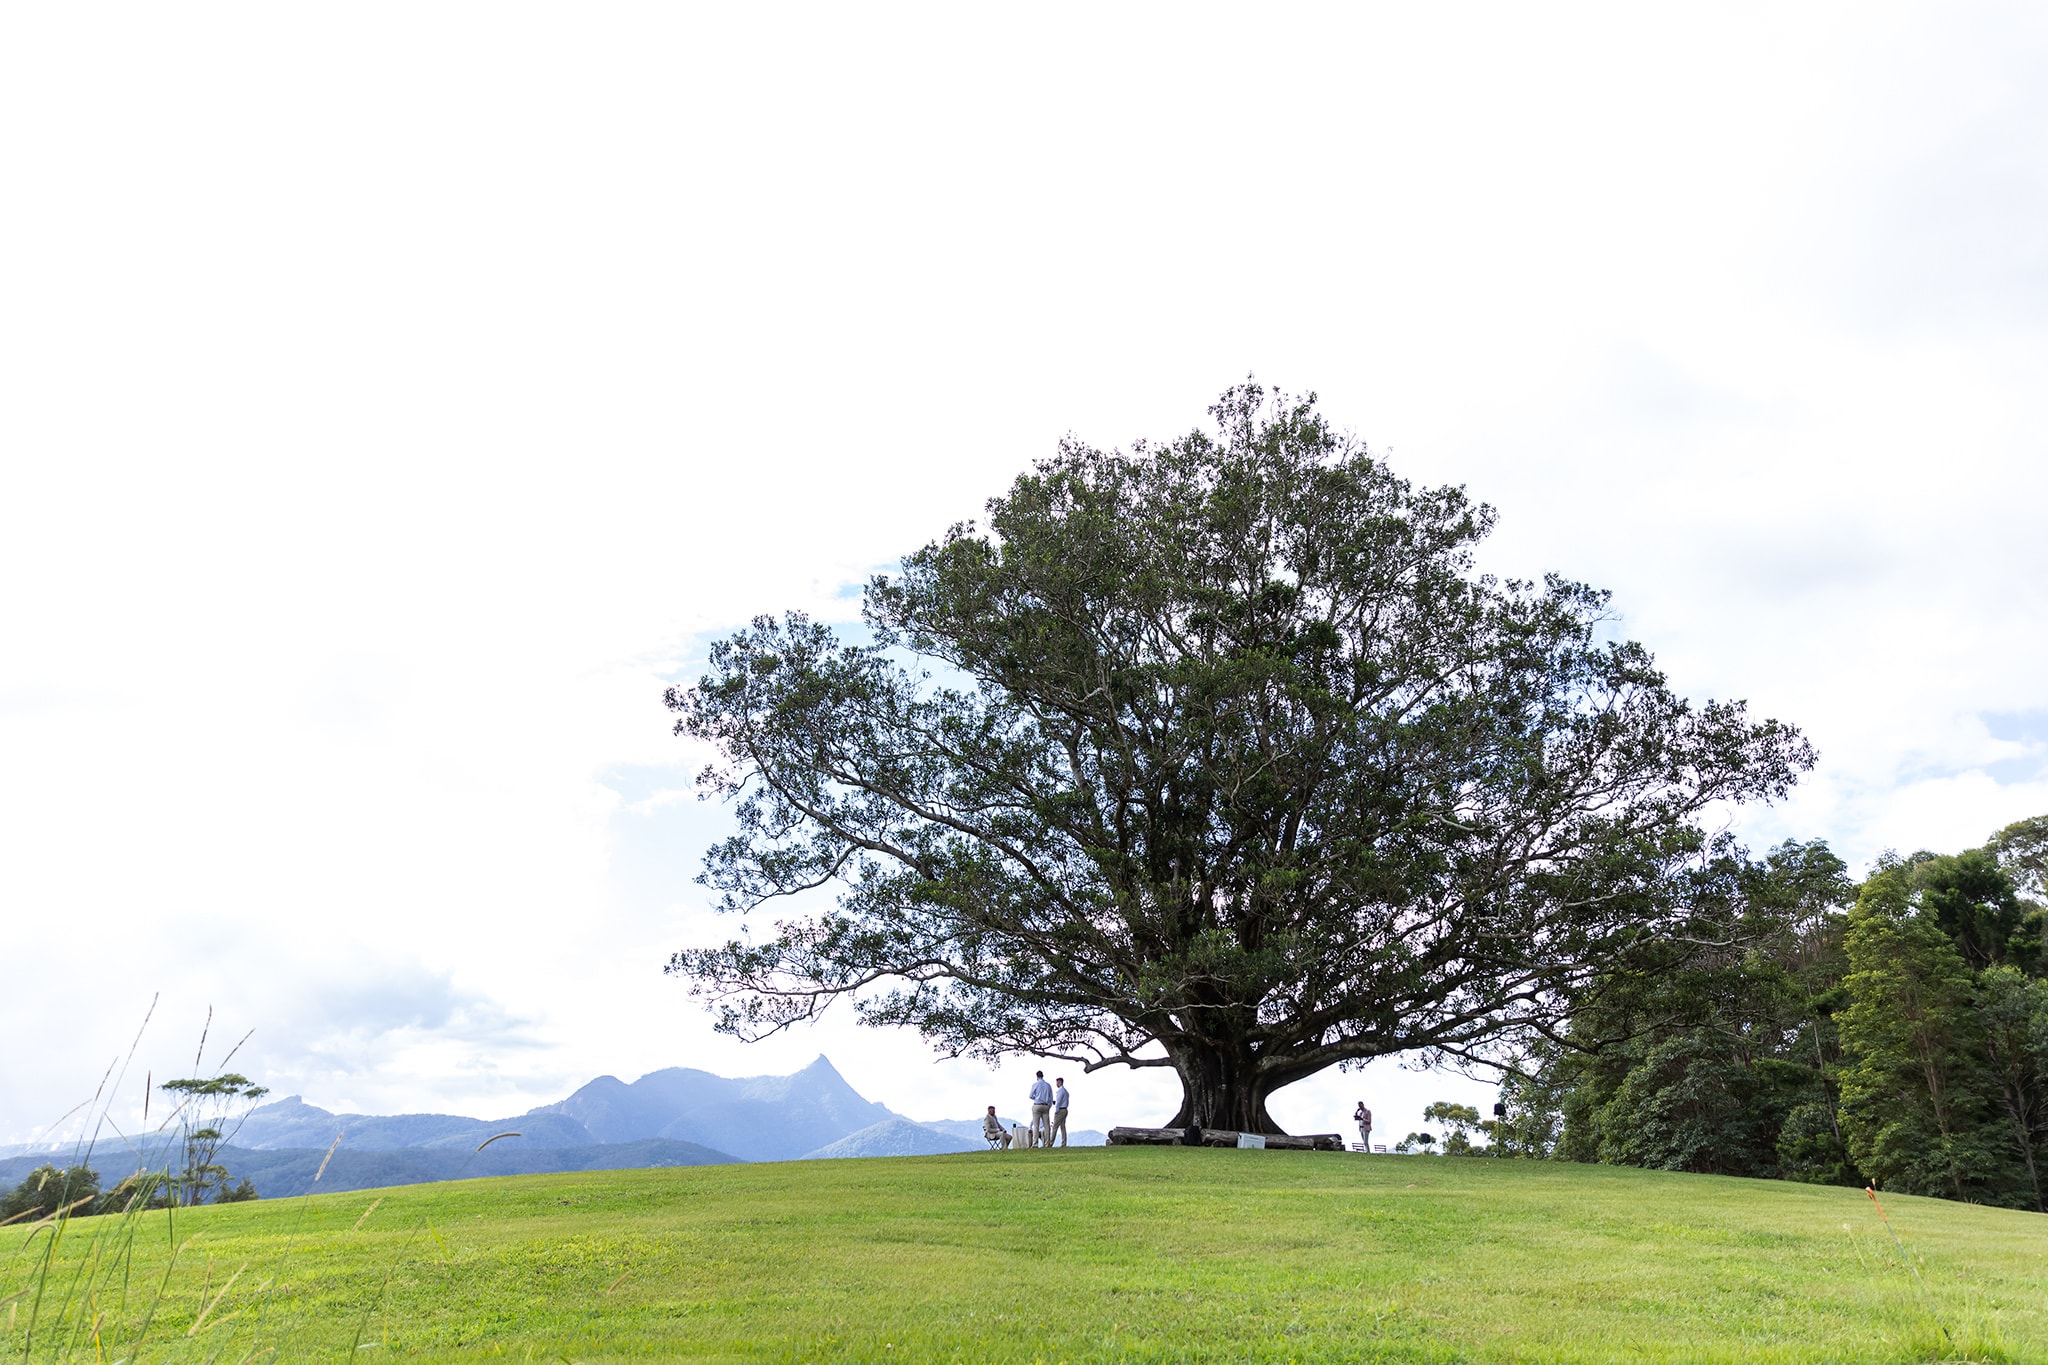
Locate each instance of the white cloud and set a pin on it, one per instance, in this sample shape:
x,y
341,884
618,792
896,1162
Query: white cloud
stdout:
x,y
393,401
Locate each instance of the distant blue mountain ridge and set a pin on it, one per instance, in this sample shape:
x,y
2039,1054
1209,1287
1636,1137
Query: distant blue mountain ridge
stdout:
x,y
676,1117
759,1118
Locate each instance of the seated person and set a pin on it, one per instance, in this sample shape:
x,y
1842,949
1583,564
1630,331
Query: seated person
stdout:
x,y
992,1129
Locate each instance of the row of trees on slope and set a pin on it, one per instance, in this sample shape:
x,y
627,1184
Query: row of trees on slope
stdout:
x,y
1894,1031
78,1192
207,1111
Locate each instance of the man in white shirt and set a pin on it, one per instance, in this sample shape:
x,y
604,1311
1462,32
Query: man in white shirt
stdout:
x,y
1059,1111
1041,1111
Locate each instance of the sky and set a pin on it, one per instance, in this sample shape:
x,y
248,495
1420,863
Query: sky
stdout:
x,y
394,399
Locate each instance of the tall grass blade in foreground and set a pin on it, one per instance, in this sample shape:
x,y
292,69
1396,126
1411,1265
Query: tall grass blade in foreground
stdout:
x,y
1905,1256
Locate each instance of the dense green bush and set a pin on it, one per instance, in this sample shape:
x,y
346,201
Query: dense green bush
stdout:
x,y
1895,1032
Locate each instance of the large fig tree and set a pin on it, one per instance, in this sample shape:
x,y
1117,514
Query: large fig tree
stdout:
x,y
1217,755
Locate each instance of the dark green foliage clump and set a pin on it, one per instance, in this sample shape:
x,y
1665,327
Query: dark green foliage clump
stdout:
x,y
1720,1067
47,1189
1946,1080
1895,1032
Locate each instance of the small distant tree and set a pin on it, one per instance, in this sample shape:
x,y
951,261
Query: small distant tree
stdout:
x,y
212,1110
1530,1111
142,1190
1460,1119
1425,1141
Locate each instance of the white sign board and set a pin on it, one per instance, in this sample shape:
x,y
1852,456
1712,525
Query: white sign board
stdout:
x,y
1251,1140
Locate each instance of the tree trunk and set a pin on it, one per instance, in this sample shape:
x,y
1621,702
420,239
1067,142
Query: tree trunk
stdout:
x,y
1220,1089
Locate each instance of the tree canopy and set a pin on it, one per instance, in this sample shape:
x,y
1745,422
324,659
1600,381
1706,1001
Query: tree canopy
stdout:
x,y
2021,850
1218,755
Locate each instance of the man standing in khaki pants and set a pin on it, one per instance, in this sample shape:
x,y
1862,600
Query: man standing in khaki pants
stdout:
x,y
1059,1111
1041,1112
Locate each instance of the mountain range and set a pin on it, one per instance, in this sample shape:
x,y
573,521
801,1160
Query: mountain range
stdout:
x,y
675,1117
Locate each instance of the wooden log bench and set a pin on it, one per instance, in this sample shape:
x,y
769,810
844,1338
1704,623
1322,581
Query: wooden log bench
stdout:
x,y
1220,1137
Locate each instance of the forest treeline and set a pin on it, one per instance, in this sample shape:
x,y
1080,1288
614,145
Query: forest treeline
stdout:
x,y
1893,1031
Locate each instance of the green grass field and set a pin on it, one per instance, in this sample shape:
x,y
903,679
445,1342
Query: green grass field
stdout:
x,y
1158,1254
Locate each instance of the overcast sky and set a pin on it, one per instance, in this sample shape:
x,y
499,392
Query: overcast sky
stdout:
x,y
393,399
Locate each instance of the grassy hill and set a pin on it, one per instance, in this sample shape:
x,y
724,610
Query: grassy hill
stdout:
x,y
1095,1254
